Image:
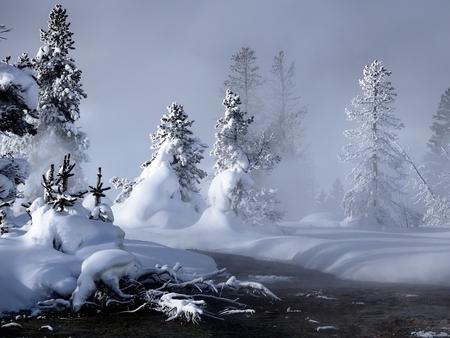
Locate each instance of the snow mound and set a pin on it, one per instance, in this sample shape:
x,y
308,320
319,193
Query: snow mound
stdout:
x,y
70,232
107,266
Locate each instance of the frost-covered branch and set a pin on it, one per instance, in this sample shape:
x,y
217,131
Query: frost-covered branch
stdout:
x,y
168,290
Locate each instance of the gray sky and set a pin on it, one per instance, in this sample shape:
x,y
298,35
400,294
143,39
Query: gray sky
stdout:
x,y
139,56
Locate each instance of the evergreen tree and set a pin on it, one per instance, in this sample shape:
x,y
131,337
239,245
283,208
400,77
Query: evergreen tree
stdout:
x,y
16,106
15,109
337,191
322,201
56,191
187,151
60,87
60,93
23,62
286,117
372,200
126,185
233,145
235,151
231,141
245,79
438,146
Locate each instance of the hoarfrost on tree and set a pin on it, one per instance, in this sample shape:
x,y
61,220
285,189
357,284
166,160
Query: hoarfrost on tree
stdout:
x,y
373,200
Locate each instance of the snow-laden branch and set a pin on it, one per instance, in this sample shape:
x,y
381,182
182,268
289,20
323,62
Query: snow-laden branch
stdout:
x,y
114,279
249,287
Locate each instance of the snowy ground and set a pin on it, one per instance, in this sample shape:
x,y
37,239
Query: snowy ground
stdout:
x,y
418,255
64,254
32,270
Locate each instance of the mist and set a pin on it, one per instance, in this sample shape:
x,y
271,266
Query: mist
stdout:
x,y
139,57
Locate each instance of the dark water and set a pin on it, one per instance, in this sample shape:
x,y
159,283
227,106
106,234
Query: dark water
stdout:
x,y
313,305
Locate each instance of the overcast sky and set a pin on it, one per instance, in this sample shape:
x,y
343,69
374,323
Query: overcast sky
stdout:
x,y
139,56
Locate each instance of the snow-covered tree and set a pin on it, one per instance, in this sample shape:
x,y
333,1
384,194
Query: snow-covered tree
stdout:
x,y
379,162
18,102
15,105
331,201
286,115
231,140
60,93
101,211
186,149
439,144
245,79
233,145
126,185
237,155
23,62
57,190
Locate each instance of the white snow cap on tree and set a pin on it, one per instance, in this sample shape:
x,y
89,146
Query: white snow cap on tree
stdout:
x,y
185,151
373,198
60,94
22,79
231,141
232,189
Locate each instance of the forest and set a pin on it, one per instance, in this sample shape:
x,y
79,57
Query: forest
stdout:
x,y
262,171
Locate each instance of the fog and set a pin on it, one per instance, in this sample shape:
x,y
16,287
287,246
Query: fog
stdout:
x,y
137,57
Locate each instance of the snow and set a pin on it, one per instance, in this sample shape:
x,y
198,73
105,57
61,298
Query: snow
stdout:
x,y
10,75
108,266
429,334
156,200
62,255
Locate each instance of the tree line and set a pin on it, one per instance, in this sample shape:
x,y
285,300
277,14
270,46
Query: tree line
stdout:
x,y
46,133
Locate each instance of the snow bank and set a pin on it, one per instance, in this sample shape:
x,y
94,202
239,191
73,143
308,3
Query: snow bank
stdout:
x,y
107,266
219,193
394,255
62,252
70,232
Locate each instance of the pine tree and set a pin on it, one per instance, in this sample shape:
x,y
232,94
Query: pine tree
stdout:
x,y
126,185
244,79
439,144
232,142
60,94
14,108
101,211
372,200
186,150
286,116
236,151
57,191
60,87
233,145
23,62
